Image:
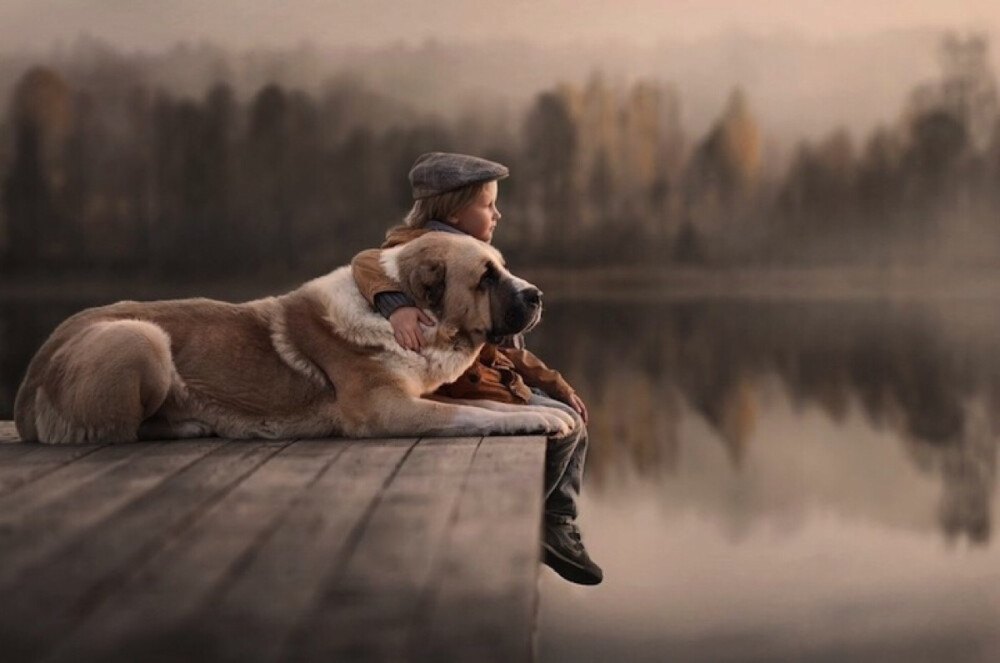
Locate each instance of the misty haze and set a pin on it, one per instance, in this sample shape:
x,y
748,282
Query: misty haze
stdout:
x,y
769,258
740,151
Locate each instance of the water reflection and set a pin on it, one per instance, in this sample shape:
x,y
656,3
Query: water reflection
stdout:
x,y
925,375
783,481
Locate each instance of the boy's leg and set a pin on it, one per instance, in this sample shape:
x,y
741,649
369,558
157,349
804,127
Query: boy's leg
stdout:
x,y
564,459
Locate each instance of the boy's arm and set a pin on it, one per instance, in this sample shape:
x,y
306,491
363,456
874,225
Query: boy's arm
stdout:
x,y
385,295
536,374
381,291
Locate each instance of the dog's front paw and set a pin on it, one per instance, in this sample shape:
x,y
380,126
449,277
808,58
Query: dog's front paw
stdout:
x,y
543,421
531,423
566,417
558,423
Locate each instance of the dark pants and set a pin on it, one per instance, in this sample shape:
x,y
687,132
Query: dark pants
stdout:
x,y
564,458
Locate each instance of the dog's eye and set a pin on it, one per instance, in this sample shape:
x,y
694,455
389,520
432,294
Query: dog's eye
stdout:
x,y
490,275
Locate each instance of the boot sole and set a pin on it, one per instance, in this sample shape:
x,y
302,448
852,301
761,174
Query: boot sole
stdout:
x,y
567,569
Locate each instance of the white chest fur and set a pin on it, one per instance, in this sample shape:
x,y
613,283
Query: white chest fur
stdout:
x,y
353,319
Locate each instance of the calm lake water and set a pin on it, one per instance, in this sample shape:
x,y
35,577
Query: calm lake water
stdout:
x,y
809,481
768,480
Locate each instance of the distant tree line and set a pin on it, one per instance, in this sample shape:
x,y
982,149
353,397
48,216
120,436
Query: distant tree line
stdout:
x,y
193,187
926,188
104,173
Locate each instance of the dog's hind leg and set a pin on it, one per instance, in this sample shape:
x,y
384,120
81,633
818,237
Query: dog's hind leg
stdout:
x,y
104,382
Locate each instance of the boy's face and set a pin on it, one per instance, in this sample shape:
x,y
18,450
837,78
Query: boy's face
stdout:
x,y
479,218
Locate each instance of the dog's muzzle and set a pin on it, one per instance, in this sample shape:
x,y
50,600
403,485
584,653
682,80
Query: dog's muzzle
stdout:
x,y
521,314
532,297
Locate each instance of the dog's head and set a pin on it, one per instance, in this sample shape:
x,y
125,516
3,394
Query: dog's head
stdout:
x,y
465,284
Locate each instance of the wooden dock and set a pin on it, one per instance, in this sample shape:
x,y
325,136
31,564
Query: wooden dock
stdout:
x,y
252,550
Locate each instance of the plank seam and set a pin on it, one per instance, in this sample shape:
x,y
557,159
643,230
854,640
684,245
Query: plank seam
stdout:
x,y
428,594
354,536
352,540
99,593
103,469
76,537
245,559
10,490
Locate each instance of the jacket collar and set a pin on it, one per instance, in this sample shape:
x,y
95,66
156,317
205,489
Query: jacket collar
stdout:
x,y
443,227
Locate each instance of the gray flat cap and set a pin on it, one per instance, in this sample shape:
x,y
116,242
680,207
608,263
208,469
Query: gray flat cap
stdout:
x,y
438,172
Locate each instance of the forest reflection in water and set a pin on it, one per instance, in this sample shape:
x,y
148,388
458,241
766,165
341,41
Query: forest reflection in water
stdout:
x,y
767,479
776,480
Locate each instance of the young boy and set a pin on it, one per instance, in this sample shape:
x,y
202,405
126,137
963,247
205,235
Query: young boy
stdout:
x,y
457,193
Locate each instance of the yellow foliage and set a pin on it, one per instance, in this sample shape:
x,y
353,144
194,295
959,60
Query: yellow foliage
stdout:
x,y
741,138
42,99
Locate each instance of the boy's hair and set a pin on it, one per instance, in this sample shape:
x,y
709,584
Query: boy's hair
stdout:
x,y
443,205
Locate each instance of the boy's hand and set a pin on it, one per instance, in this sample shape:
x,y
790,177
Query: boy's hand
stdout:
x,y
406,324
578,405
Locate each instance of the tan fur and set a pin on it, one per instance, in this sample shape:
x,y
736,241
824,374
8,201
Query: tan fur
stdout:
x,y
314,362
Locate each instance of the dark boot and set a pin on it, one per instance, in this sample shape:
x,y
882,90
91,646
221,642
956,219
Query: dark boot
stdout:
x,y
563,552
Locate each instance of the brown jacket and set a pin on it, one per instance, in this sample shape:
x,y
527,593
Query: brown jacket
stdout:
x,y
504,374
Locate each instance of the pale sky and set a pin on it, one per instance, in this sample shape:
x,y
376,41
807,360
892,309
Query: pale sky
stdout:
x,y
154,24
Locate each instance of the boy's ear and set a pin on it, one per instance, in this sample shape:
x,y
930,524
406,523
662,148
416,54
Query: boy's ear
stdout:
x,y
427,281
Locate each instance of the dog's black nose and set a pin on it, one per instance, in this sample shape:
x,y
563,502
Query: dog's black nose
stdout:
x,y
532,296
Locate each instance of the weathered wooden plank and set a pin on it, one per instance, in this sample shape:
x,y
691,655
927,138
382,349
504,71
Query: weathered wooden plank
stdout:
x,y
224,551
482,596
11,446
150,609
8,434
28,535
65,480
37,461
366,610
51,597
13,449
254,616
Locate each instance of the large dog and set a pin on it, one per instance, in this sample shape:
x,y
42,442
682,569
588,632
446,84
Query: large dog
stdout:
x,y
315,362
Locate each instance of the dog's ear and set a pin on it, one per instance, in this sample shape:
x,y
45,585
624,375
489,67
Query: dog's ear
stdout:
x,y
427,281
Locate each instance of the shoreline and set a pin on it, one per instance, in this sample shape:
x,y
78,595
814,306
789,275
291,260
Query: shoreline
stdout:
x,y
597,283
